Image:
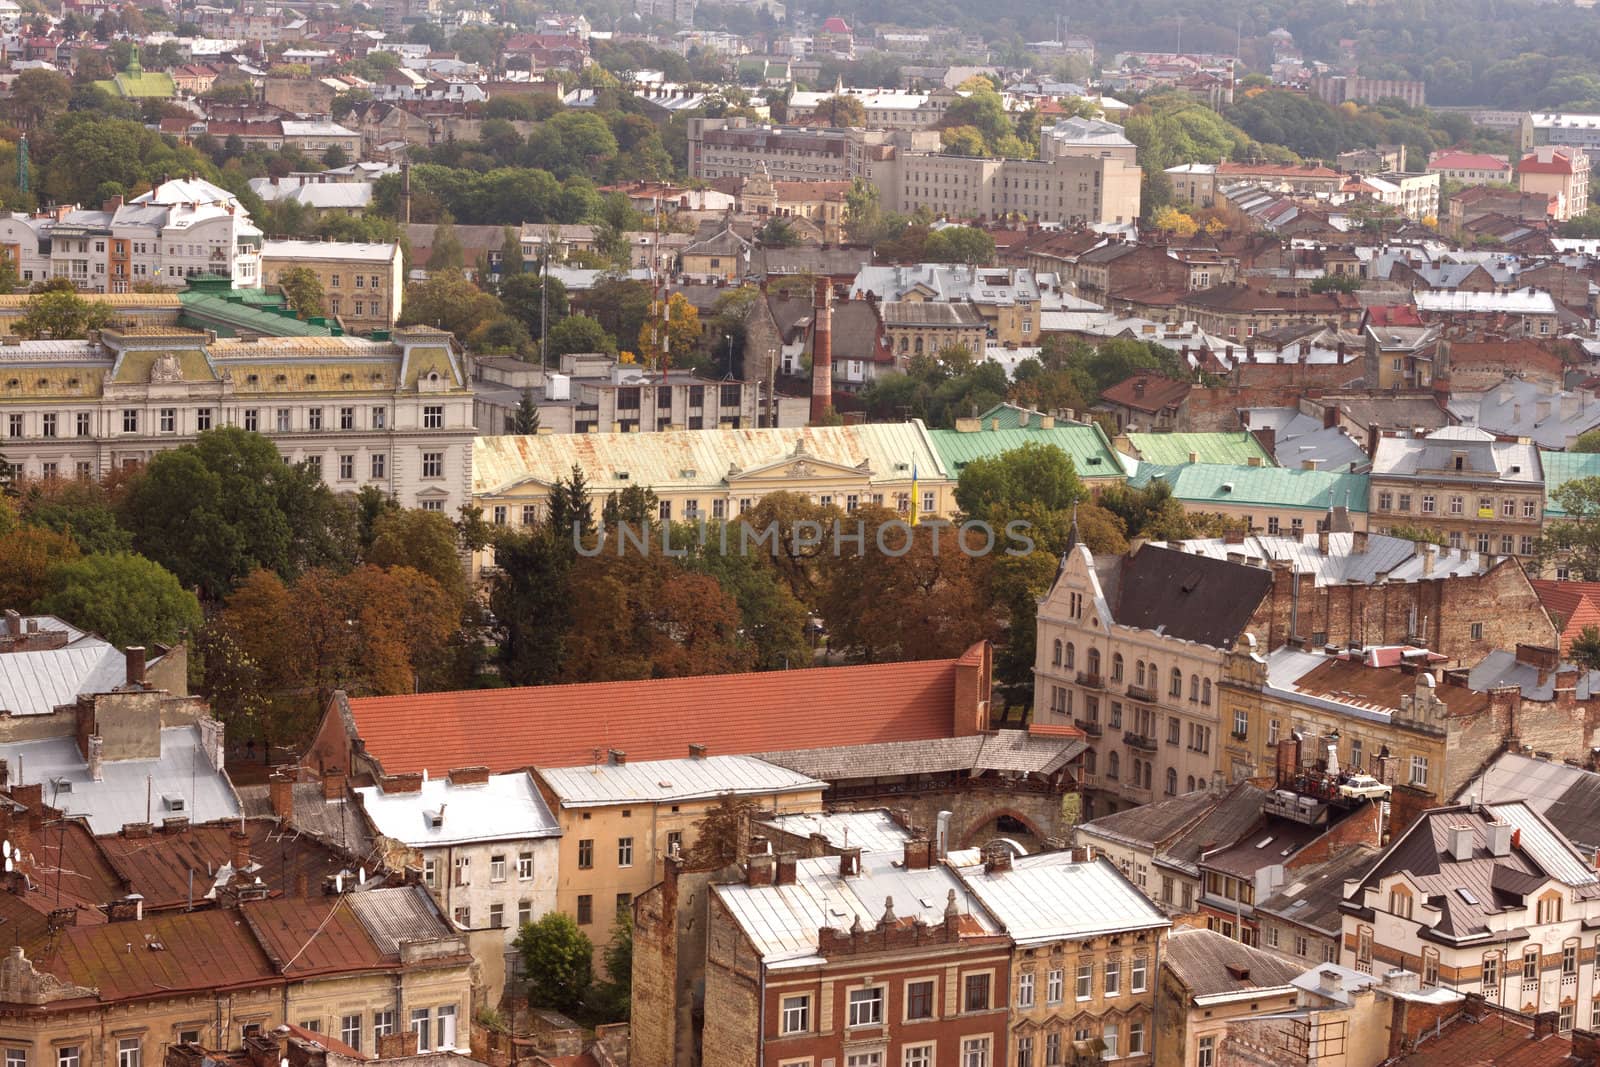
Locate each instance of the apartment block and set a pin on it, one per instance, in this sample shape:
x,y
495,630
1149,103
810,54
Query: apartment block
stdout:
x,y
363,285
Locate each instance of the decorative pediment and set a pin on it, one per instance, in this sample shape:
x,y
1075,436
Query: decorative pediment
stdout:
x,y
166,368
799,467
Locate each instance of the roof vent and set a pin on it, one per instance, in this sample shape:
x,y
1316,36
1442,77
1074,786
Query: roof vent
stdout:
x,y
173,802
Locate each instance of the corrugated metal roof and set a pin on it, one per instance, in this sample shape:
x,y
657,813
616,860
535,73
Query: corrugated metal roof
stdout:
x,y
1086,446
1174,448
688,459
36,683
395,914
672,780
1048,897
1223,483
870,831
1397,559
1004,750
506,806
1553,853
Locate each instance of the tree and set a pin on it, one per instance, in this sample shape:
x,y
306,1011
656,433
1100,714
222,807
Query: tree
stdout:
x,y
1169,219
1037,474
1585,649
720,834
510,252
840,112
1421,534
37,95
425,541
303,290
215,510
959,244
124,598
616,993
59,315
335,157
27,554
579,334
534,300
448,301
670,343
778,233
446,253
863,212
558,958
1588,441
81,510
526,419
528,596
1575,538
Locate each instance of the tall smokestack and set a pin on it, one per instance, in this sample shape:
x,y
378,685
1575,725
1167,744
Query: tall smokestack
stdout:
x,y
822,353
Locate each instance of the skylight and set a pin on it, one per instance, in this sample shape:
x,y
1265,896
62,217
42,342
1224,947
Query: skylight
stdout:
x,y
1466,894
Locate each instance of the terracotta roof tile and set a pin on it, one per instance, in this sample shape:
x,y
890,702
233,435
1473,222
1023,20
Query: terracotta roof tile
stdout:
x,y
1146,392
1577,603
563,725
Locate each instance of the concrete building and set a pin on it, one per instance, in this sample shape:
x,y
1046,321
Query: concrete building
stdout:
x,y
1483,494
1086,137
1561,173
1566,129
925,327
363,285
1470,168
394,414
1132,656
620,823
1336,89
487,845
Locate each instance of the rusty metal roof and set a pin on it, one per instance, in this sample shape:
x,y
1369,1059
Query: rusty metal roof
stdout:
x,y
306,936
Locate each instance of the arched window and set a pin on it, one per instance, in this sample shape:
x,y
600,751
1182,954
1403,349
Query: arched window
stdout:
x,y
1205,693
1088,761
1172,781
1194,688
1055,659
1116,667
1138,772
1177,682
1113,765
1072,654
1138,674
1094,662
1188,789
1149,769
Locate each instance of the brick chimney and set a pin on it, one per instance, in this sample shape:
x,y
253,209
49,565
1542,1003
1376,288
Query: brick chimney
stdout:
x,y
616,757
850,862
134,657
997,860
239,843
469,776
333,785
761,869
280,787
787,868
918,854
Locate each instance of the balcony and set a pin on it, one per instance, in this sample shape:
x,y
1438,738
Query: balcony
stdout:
x,y
1143,693
1091,681
1139,741
1088,726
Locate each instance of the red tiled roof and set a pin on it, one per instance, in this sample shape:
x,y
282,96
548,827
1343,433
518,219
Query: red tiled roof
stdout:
x,y
1558,163
1448,160
1392,315
563,725
1500,1038
1276,170
1577,603
1146,392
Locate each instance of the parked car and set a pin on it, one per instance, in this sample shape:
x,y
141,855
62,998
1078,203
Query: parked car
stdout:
x,y
1363,787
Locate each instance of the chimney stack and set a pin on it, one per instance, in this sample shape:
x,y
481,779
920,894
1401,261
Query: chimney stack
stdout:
x,y
333,785
134,655
849,862
822,352
617,757
240,842
788,865
280,787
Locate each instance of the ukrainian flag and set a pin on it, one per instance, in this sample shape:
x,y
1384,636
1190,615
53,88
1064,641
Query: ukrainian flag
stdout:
x,y
914,497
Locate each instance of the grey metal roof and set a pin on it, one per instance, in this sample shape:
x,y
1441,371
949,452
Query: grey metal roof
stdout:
x,y
1393,558
394,914
36,683
782,922
1482,457
1501,669
1208,963
870,831
1311,897
672,780
506,807
1569,797
338,822
1049,897
131,790
1552,417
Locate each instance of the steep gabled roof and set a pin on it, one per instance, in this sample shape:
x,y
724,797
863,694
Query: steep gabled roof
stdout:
x,y
1192,598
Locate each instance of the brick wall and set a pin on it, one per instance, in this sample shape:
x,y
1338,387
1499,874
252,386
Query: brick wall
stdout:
x,y
1364,826
732,1010
655,967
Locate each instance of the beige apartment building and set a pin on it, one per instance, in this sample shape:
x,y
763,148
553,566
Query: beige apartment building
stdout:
x,y
1560,173
620,821
1137,664
1066,189
915,327
1485,495
363,285
393,414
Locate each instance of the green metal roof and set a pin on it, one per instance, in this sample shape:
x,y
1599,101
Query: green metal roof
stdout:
x,y
1174,448
1087,446
1279,487
1561,468
153,84
249,311
1010,417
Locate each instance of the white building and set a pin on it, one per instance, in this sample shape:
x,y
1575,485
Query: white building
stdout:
x,y
487,843
178,230
393,414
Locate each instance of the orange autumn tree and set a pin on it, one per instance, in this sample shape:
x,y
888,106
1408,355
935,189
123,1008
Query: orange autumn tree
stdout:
x,y
26,555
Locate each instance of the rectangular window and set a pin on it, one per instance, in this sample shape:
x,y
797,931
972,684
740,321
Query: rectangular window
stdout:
x,y
379,465
919,1000
497,868
130,1052
796,1014
585,854
202,419
14,426
314,418
524,866
380,418
1241,722
463,870
430,874
1052,987
16,1057
1110,1038
1024,1051
976,993
1419,770
585,909
975,1052
130,420
433,417
524,913
285,420
1052,1050
383,1023
624,852
347,418
1206,1053
70,1056
1025,991
433,464
252,419
917,1056
84,424
1136,1039
1085,983
1138,974
1113,977
866,1007
350,1031
447,1027
674,842
497,916
347,467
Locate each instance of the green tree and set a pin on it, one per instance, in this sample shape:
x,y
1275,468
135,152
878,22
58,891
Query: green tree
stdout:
x,y
59,315
82,511
863,212
528,596
1588,441
615,994
1585,649
449,301
1425,534
127,599
579,334
215,510
840,112
1035,474
303,291
535,300
526,419
959,244
446,253
1574,539
558,958
510,252
335,157
36,96
778,233
425,541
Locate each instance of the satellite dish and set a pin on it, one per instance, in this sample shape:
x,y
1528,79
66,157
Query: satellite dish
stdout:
x,y
10,865
363,877
338,883
5,849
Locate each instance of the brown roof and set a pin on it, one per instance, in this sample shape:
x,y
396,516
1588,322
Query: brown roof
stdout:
x,y
1487,1034
1242,298
1351,682
1150,393
562,725
159,866
172,953
1207,963
305,936
1577,604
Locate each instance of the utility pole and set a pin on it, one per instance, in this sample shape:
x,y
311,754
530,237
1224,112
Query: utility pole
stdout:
x,y
544,288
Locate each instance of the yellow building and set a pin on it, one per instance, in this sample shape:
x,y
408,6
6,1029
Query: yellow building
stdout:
x,y
362,284
1208,982
620,821
717,474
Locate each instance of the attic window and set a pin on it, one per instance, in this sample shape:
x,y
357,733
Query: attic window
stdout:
x,y
1227,487
43,382
1094,461
280,378
1238,971
1264,842
72,382
687,472
1516,468
1466,895
622,476
435,819
252,379
173,802
13,383
310,378
1189,585
347,377
377,375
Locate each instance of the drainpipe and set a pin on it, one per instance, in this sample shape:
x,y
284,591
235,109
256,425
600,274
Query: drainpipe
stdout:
x,y
761,1015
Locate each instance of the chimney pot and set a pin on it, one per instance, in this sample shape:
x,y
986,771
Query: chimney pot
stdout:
x,y
333,785
134,657
617,757
281,789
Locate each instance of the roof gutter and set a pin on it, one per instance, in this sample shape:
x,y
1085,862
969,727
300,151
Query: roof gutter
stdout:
x,y
1235,997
